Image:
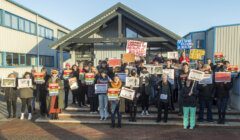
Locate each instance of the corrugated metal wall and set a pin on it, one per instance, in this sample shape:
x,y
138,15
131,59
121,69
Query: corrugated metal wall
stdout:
x,y
228,42
209,43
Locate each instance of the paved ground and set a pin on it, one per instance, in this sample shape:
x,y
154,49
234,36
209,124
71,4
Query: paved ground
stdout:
x,y
27,130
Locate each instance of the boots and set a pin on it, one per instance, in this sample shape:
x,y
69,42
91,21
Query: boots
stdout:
x,y
22,116
29,116
219,118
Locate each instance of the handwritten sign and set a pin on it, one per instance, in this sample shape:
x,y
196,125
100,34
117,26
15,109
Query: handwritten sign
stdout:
x,y
207,79
196,54
170,74
24,83
113,94
66,74
101,88
73,83
154,69
172,55
128,58
89,78
53,89
184,44
137,48
114,62
8,82
132,82
196,75
127,93
223,77
122,76
39,78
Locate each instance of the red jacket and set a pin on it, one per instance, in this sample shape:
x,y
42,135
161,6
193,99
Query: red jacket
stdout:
x,y
181,60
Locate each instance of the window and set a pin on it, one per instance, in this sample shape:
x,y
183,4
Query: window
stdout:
x,y
22,59
15,59
21,24
199,44
1,59
9,59
27,26
130,33
30,60
1,17
33,28
41,31
47,61
7,19
61,34
49,33
14,22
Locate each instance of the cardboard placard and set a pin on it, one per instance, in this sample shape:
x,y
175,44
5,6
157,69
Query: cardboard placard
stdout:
x,y
66,74
114,62
8,82
132,81
207,79
39,78
128,58
24,83
172,55
184,44
127,93
122,76
170,74
154,69
196,54
138,48
113,94
89,78
223,77
101,88
73,83
53,89
196,75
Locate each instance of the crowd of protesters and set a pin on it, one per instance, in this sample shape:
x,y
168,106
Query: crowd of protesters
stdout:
x,y
154,89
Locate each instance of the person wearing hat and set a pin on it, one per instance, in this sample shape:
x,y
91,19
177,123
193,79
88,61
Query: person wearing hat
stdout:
x,y
66,84
59,101
11,98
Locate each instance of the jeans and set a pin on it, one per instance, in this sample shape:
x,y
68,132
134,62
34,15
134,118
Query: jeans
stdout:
x,y
205,104
222,106
26,101
186,112
103,105
114,111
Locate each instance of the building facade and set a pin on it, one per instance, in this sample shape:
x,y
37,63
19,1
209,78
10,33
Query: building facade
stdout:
x,y
25,37
224,39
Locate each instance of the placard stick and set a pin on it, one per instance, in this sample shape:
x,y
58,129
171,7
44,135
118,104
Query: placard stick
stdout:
x,y
192,87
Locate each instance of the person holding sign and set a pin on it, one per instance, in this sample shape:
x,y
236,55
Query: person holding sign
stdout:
x,y
11,98
184,58
117,105
75,92
189,104
26,95
163,97
205,96
102,97
58,104
65,76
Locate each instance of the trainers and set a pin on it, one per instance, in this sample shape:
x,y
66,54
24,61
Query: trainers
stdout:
x,y
105,119
22,116
101,119
29,116
143,113
147,113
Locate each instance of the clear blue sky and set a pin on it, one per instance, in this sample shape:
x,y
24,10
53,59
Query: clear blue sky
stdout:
x,y
179,16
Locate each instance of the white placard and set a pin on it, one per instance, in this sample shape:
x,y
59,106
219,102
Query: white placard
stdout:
x,y
132,82
73,83
207,79
101,88
127,93
24,83
170,74
154,69
172,55
163,96
8,82
196,75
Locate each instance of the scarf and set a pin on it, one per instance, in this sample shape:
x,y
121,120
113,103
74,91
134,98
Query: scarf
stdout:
x,y
117,85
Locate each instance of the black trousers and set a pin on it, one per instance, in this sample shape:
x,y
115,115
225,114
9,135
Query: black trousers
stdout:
x,y
66,90
145,100
26,102
43,103
12,107
113,114
133,110
93,103
75,95
161,106
82,94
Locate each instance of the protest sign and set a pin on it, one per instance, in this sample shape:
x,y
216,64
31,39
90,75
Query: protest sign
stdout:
x,y
154,69
232,68
128,58
172,55
101,88
170,74
39,77
89,78
196,75
53,89
73,83
8,82
122,76
132,82
81,76
137,48
66,74
184,44
223,77
207,79
24,83
196,54
127,93
114,62
113,94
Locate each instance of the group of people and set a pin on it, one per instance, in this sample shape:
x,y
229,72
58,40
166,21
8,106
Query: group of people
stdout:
x,y
154,89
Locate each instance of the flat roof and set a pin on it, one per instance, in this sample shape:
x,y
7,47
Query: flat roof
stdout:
x,y
27,9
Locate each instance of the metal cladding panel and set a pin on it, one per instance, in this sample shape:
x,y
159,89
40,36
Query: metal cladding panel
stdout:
x,y
210,44
228,42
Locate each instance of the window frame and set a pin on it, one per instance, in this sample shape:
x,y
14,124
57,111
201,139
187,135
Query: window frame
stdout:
x,y
10,19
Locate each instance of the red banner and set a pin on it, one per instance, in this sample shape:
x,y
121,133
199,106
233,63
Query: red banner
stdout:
x,y
114,62
223,77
